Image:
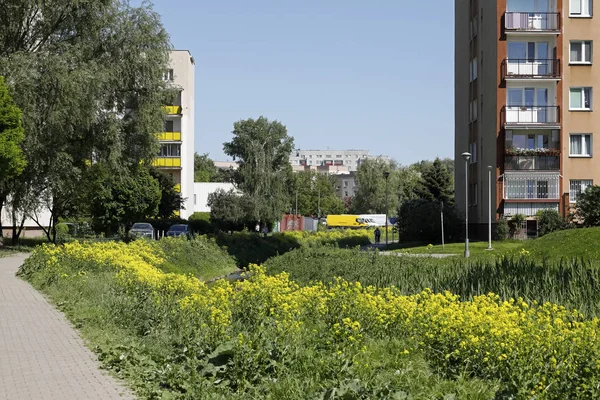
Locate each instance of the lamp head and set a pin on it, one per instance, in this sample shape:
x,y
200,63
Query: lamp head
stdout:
x,y
466,156
386,174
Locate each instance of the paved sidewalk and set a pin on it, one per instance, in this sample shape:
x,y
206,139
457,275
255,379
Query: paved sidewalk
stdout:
x,y
41,355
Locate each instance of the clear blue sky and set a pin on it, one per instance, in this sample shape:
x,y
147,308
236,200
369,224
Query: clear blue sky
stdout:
x,y
375,75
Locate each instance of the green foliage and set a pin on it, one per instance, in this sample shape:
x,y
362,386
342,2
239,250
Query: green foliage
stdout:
x,y
316,191
200,257
229,211
502,229
420,220
200,223
87,76
122,197
436,184
370,196
587,208
536,280
262,149
549,221
170,199
12,159
204,168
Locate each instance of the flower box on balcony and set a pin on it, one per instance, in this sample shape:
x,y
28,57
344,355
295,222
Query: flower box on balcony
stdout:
x,y
513,151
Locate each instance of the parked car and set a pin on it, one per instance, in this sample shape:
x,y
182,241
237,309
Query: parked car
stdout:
x,y
142,229
179,230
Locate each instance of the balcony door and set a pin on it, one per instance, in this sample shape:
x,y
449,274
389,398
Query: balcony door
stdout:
x,y
527,105
529,58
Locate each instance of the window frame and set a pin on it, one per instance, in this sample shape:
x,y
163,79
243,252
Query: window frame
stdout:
x,y
583,53
573,199
580,14
584,138
582,90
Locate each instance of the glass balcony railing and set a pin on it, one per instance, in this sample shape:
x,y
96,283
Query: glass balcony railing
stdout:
x,y
531,163
530,69
525,115
167,162
532,22
169,136
172,110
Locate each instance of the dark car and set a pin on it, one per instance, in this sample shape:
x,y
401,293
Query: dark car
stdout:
x,y
142,229
179,230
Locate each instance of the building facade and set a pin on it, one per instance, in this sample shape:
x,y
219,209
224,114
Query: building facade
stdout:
x,y
524,85
335,158
176,156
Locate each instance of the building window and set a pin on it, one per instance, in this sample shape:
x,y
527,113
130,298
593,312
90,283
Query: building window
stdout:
x,y
473,111
169,126
309,156
170,150
580,99
338,156
473,70
473,151
194,199
345,193
168,75
319,156
581,8
581,52
577,187
580,146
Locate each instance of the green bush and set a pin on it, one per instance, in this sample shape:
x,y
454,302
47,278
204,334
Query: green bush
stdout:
x,y
502,229
420,221
200,223
549,221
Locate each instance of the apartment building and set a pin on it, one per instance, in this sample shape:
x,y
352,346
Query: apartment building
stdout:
x,y
524,104
335,158
176,156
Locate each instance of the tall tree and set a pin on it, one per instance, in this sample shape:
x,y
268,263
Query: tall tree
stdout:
x,y
316,191
436,184
587,208
12,159
262,149
88,77
204,168
170,199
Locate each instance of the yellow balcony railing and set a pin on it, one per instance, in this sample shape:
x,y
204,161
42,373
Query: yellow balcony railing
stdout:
x,y
167,162
169,136
172,110
178,188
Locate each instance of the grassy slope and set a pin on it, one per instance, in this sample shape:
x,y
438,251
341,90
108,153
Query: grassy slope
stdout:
x,y
572,243
200,257
476,248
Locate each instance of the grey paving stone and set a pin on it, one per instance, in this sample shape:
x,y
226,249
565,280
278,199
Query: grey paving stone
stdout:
x,y
41,355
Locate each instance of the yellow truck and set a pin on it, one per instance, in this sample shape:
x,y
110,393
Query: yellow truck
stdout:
x,y
345,221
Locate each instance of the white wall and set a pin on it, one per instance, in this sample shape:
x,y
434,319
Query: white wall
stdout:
x,y
203,189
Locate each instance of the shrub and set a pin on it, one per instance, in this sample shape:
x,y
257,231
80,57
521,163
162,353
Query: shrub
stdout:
x,y
200,223
549,221
502,229
587,208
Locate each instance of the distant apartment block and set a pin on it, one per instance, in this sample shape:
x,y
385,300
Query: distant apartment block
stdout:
x,y
350,159
176,156
525,81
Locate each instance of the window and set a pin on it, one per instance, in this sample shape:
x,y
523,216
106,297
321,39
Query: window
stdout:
x,y
338,156
581,52
194,199
580,98
473,111
169,126
580,146
581,8
473,70
577,187
328,156
473,151
473,27
319,156
170,150
168,75
309,156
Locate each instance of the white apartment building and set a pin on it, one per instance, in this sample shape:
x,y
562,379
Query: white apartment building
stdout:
x,y
176,156
336,158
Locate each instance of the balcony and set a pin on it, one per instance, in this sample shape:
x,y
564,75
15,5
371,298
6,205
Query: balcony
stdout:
x,y
172,110
530,116
532,163
169,136
167,162
530,186
530,69
537,22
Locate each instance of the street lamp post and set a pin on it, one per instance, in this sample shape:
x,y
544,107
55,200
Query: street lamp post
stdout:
x,y
466,156
490,207
386,174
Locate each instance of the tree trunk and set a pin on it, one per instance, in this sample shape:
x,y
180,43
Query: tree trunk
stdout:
x,y
16,233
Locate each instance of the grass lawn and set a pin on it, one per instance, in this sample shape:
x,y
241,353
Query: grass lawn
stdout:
x,y
476,248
